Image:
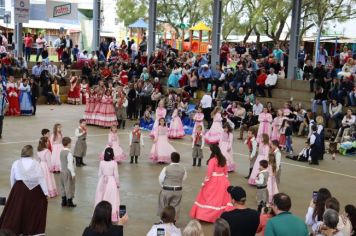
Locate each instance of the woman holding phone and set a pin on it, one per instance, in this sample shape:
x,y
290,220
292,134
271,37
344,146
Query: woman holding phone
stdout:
x,y
166,225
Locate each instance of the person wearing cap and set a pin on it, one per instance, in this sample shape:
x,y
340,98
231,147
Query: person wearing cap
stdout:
x,y
243,221
205,76
284,223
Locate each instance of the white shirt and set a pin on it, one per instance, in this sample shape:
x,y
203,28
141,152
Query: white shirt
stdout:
x,y
162,175
52,69
78,132
170,229
257,109
70,161
271,80
277,156
67,43
36,172
312,138
134,47
254,147
348,121
113,45
202,140
141,139
206,101
260,177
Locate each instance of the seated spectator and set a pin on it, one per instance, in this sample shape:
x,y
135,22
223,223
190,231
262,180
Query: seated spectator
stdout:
x,y
329,226
106,73
248,104
318,76
266,214
21,64
249,94
308,70
221,228
231,95
335,112
320,98
260,82
242,220
281,74
101,224
249,121
166,224
346,69
47,92
352,97
299,114
205,76
65,58
284,222
55,92
346,86
45,55
240,76
334,88
193,228
348,120
173,79
236,113
350,212
270,82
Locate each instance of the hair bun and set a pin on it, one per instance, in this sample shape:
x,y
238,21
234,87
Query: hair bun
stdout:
x,y
229,189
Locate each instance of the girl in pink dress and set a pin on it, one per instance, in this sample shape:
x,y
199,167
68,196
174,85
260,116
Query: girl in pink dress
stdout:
x,y
276,125
74,91
114,143
161,112
215,131
105,115
272,183
108,184
56,144
213,198
198,119
84,91
161,149
282,137
13,98
176,129
265,120
89,108
263,152
44,157
225,145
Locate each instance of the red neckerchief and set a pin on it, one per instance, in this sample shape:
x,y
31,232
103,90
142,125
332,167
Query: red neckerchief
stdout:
x,y
197,137
84,129
249,143
137,133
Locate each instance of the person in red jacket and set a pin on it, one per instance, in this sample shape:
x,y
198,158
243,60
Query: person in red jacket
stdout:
x,y
260,83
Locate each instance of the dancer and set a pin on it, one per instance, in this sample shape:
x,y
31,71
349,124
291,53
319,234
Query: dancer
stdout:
x,y
114,143
25,98
121,103
261,183
282,136
216,130
12,97
277,158
56,143
198,119
80,148
44,157
265,120
67,174
213,197
316,146
272,182
161,149
105,115
108,184
289,133
263,152
90,107
46,133
176,129
161,112
136,140
198,145
252,147
84,89
276,125
74,91
320,129
225,145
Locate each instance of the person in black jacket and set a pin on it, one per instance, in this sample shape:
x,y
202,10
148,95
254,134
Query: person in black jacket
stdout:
x,y
101,224
35,93
319,74
320,98
249,121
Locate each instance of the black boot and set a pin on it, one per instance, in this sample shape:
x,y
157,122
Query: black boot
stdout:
x,y
249,174
119,124
136,157
64,201
70,203
194,161
123,124
199,162
132,160
81,161
77,162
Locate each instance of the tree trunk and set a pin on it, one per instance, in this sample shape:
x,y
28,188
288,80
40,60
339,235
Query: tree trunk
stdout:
x,y
248,33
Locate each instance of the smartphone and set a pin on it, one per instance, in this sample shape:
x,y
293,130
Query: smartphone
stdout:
x,y
161,232
315,196
122,210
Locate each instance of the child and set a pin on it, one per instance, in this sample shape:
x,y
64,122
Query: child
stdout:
x,y
198,145
272,187
333,147
282,136
114,143
121,103
161,149
263,152
44,156
252,147
199,119
161,112
304,155
225,144
84,88
136,139
176,129
80,148
289,132
67,174
46,133
75,52
146,122
261,182
56,143
215,131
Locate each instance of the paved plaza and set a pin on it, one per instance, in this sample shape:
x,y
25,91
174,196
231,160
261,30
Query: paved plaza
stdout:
x,y
139,185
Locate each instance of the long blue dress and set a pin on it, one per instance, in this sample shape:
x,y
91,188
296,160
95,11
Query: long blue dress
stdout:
x,y
25,100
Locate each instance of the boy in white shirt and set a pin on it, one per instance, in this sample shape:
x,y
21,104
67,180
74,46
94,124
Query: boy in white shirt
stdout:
x,y
67,178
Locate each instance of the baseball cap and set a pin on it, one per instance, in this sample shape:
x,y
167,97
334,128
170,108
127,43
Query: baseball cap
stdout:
x,y
237,193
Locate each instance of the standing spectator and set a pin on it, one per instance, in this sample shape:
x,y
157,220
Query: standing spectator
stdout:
x,y
41,43
243,221
59,44
322,55
318,75
75,52
68,43
134,50
104,46
284,223
143,45
28,41
278,54
301,57
224,52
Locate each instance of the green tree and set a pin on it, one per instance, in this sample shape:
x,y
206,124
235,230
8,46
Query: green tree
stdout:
x,y
131,10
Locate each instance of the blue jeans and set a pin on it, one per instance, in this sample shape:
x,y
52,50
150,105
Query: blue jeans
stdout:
x,y
352,99
289,144
38,53
324,103
27,53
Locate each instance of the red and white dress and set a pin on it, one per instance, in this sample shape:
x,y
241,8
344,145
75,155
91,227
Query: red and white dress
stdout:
x,y
74,91
213,198
13,98
199,120
176,128
44,157
57,147
215,131
114,143
89,109
104,112
161,149
225,145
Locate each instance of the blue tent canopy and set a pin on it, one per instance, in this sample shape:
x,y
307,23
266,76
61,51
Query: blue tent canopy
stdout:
x,y
140,23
